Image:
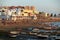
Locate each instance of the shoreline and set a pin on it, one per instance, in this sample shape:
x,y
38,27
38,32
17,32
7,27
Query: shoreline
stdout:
x,y
6,25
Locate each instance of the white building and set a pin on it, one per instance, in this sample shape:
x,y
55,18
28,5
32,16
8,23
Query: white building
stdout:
x,y
15,13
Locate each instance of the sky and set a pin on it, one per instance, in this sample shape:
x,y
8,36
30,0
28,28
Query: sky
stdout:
x,y
50,6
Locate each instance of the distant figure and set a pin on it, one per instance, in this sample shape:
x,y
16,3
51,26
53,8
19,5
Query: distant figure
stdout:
x,y
3,17
3,21
32,17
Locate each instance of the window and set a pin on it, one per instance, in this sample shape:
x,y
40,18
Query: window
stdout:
x,y
21,10
25,12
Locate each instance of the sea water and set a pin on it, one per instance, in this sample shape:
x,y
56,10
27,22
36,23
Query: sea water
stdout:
x,y
24,37
55,24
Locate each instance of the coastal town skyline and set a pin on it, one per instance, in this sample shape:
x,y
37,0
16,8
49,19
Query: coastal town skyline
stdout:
x,y
29,19
50,6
